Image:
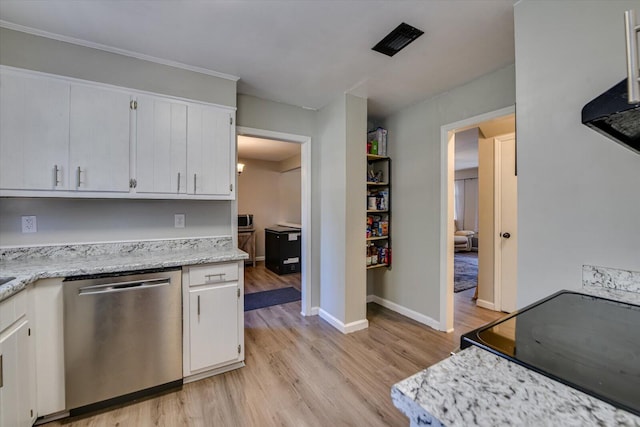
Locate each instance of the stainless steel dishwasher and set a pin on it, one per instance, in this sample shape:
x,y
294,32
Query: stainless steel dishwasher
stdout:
x,y
122,337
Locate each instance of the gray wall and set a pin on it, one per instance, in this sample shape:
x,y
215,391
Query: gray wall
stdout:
x,y
66,220
332,136
23,50
415,148
579,199
87,220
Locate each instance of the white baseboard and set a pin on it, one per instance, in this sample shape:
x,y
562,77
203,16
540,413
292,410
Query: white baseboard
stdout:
x,y
411,314
342,327
260,258
485,304
313,312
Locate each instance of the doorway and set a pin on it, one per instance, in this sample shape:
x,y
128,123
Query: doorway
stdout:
x,y
478,224
283,170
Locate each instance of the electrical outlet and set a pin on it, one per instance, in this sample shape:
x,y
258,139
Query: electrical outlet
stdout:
x,y
29,224
179,220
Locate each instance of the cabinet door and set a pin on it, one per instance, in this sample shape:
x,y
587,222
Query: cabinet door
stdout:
x,y
210,152
99,139
34,132
161,146
16,391
213,323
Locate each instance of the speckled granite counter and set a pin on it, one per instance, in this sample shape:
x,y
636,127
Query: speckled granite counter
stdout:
x,y
478,388
28,264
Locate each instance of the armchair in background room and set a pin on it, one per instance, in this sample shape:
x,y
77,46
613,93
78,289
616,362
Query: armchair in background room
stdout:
x,y
462,239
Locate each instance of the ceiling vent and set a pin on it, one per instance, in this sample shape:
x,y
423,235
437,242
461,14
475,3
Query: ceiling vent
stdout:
x,y
398,39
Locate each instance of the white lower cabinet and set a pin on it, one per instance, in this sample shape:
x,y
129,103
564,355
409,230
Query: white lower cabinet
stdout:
x,y
17,366
213,319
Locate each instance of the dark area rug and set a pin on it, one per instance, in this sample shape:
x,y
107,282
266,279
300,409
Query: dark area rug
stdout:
x,y
465,267
263,299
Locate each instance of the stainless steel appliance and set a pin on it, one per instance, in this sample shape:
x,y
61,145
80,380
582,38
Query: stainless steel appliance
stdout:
x,y
586,342
122,337
616,113
245,221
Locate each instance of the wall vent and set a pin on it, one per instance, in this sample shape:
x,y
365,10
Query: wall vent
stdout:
x,y
398,39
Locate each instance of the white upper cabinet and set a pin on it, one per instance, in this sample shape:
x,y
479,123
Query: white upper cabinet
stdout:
x,y
161,146
210,152
34,132
99,139
63,137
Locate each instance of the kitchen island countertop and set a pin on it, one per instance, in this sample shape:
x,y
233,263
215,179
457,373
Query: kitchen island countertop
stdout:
x,y
30,264
478,388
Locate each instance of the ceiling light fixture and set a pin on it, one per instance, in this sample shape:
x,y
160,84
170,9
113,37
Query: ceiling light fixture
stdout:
x,y
397,39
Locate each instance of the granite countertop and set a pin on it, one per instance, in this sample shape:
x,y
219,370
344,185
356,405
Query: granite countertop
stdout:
x,y
478,388
28,264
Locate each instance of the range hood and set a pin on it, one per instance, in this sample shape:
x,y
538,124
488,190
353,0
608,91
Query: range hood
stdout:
x,y
616,113
613,116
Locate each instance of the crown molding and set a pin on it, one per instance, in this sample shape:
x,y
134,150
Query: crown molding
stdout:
x,y
124,52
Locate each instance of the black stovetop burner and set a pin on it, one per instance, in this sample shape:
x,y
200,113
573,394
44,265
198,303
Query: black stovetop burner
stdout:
x,y
586,342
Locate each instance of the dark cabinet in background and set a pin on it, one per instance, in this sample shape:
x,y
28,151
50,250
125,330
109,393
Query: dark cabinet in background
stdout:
x,y
282,249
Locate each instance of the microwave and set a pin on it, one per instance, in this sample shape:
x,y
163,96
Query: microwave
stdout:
x,y
245,220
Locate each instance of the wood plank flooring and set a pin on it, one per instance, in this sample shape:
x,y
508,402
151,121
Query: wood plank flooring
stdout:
x,y
302,372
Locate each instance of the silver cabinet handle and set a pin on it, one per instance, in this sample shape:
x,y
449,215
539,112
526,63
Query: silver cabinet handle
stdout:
x,y
178,182
56,171
78,172
219,275
194,183
1,370
198,305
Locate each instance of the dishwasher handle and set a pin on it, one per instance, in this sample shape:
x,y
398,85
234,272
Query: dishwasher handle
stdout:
x,y
124,286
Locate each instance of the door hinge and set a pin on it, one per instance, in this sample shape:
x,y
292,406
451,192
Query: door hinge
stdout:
x,y
239,349
133,183
238,292
133,105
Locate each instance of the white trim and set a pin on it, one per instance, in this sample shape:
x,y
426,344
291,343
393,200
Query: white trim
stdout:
x,y
497,224
446,283
345,328
260,258
313,312
407,312
485,304
307,255
124,52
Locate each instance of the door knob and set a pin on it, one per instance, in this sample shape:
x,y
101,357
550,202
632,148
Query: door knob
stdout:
x,y
506,235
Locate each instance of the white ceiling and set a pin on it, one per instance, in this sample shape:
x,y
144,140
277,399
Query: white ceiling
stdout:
x,y
304,52
266,149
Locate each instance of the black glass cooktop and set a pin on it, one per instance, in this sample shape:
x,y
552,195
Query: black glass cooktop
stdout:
x,y
589,343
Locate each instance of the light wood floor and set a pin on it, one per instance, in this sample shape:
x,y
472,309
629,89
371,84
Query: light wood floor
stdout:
x,y
302,372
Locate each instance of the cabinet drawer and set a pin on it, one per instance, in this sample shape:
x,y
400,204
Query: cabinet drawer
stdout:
x,y
12,309
218,273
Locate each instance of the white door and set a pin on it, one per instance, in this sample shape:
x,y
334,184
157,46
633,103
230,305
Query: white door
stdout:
x,y
213,324
16,393
161,146
210,151
34,132
99,139
506,211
